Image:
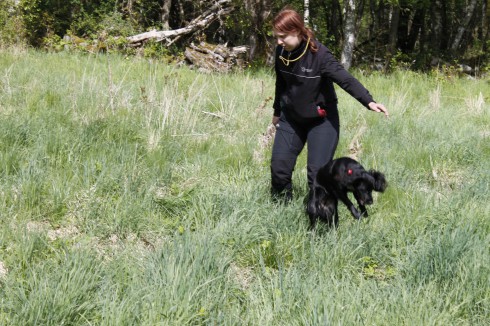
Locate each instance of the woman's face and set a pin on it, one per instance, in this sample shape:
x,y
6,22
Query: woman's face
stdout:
x,y
288,41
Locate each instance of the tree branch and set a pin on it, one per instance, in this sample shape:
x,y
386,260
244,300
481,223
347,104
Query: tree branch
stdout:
x,y
218,9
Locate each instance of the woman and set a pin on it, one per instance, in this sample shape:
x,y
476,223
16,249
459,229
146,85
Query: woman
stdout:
x,y
305,105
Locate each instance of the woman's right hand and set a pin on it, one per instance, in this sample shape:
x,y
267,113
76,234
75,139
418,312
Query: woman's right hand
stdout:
x,y
275,120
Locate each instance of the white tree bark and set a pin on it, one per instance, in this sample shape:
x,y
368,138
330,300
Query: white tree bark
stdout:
x,y
306,16
349,33
464,25
165,14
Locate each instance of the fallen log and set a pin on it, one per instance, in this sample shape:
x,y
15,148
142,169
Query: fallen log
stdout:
x,y
218,9
215,58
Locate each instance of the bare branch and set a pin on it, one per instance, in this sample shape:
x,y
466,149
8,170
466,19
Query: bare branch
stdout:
x,y
218,9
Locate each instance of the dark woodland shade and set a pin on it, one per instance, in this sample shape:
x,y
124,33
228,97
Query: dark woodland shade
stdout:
x,y
411,31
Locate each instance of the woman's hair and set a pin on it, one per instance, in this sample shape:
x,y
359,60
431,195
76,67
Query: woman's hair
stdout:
x,y
289,21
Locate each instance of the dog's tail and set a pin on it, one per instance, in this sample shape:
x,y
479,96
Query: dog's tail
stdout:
x,y
379,183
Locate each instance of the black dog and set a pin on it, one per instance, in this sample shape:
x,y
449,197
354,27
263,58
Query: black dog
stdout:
x,y
334,181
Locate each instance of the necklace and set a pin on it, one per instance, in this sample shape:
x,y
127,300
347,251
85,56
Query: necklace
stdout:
x,y
287,61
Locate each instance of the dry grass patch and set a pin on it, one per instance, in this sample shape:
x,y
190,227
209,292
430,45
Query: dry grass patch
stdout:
x,y
446,176
355,146
243,276
435,98
475,104
64,232
3,270
264,142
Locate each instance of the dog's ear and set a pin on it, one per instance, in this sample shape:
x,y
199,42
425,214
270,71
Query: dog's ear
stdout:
x,y
380,183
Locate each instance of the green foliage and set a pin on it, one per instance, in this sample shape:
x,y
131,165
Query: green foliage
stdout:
x,y
97,25
44,24
156,50
56,18
401,61
11,26
44,18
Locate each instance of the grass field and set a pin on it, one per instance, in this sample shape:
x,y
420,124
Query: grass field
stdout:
x,y
137,193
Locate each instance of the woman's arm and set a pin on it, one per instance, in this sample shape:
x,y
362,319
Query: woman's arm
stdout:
x,y
333,70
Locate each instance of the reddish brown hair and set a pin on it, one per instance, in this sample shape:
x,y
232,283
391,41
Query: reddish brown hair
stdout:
x,y
290,21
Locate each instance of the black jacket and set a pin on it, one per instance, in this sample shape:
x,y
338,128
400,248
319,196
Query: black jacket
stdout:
x,y
307,83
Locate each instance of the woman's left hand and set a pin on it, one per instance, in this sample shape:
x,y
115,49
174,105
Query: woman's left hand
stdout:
x,y
378,107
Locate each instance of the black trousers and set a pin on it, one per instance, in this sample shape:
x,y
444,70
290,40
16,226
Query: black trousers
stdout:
x,y
322,137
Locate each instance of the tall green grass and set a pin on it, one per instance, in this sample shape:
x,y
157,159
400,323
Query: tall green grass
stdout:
x,y
137,193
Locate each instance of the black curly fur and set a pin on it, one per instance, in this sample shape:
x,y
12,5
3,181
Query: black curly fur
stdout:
x,y
334,181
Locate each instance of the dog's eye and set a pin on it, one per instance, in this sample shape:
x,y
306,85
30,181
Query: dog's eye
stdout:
x,y
349,172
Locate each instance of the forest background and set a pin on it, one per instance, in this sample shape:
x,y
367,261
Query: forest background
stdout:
x,y
376,34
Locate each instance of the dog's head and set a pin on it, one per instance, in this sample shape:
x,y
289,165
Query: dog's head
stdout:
x,y
368,182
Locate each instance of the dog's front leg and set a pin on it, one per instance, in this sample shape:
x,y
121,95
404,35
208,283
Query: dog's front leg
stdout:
x,y
363,209
353,210
361,202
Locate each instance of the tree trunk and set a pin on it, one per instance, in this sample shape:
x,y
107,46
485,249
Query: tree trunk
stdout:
x,y
374,25
306,16
437,22
129,8
393,35
334,20
417,26
485,24
462,29
349,33
404,20
165,14
259,11
182,13
359,14
383,20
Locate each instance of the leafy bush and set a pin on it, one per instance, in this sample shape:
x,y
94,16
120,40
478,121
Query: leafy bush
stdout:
x,y
11,25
